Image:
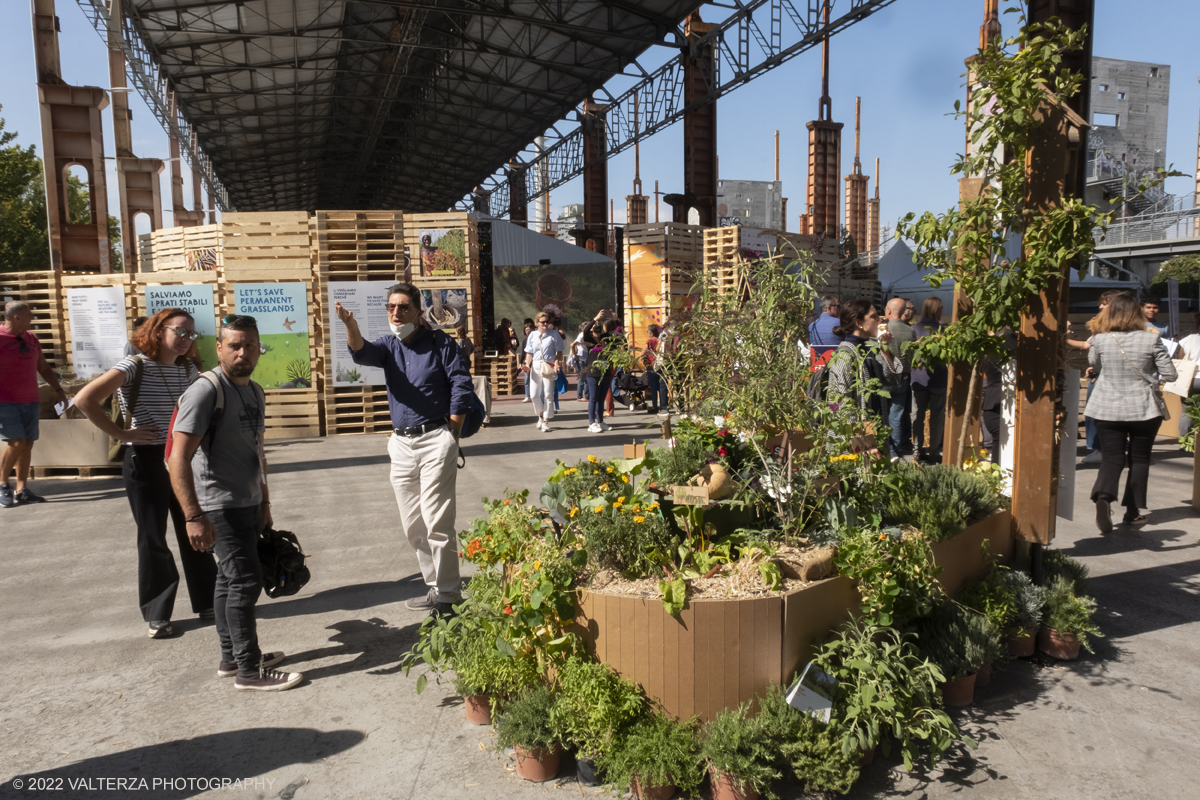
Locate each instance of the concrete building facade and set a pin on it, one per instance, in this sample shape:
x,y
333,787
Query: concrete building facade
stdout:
x,y
751,204
1128,138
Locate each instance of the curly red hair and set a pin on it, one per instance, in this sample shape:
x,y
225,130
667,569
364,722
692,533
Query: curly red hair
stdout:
x,y
146,338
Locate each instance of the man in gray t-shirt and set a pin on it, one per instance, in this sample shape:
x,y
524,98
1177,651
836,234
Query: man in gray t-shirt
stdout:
x,y
218,472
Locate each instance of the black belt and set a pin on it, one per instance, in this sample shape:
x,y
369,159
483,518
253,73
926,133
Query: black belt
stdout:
x,y
420,430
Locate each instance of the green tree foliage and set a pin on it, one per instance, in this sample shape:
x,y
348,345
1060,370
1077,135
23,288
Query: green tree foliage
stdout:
x,y
24,245
1185,269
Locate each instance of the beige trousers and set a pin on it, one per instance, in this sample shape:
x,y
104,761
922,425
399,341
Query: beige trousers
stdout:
x,y
424,473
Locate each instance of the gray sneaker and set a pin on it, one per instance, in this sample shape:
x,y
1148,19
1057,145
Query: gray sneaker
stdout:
x,y
427,603
6,496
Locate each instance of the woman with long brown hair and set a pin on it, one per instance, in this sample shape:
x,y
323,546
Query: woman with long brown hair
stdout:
x,y
1128,361
148,387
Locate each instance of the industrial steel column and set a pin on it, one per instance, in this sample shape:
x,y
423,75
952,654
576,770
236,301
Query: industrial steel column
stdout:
x,y
181,215
636,204
873,232
699,126
824,159
1056,166
518,202
856,189
595,179
72,134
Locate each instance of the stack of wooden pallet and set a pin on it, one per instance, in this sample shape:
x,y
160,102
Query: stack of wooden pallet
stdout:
x,y
359,245
502,373
197,248
356,409
43,292
728,249
663,261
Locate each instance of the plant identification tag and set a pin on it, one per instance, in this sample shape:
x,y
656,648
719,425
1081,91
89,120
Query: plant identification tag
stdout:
x,y
689,495
635,451
813,693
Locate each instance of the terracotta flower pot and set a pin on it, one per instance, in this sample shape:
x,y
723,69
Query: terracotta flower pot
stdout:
x,y
724,787
651,792
478,708
1063,646
1021,641
984,676
959,692
539,764
866,757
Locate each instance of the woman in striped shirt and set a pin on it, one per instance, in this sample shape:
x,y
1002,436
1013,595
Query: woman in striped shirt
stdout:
x,y
152,383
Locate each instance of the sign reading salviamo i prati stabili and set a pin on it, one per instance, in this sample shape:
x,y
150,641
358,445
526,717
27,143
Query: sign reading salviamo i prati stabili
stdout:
x,y
197,300
281,311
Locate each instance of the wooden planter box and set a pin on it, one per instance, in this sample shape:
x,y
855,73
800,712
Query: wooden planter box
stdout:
x,y
1195,483
719,653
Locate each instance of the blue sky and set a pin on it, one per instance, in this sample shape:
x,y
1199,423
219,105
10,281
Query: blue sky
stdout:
x,y
905,62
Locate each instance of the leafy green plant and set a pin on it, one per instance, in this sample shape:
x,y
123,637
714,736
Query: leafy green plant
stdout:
x,y
1030,599
886,689
527,721
895,573
594,705
810,748
1183,268
736,744
656,751
1058,564
956,639
1067,612
1191,409
940,500
993,598
299,370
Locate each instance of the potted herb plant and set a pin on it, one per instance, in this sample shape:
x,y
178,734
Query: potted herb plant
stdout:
x,y
957,640
884,687
993,599
737,751
1067,623
811,748
526,727
1021,633
594,705
657,756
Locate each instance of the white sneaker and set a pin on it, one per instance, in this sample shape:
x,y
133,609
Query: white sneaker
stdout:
x,y
594,428
526,400
538,423
1093,457
545,427
605,427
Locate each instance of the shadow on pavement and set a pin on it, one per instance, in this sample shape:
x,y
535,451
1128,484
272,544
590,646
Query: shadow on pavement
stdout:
x,y
353,597
376,646
242,754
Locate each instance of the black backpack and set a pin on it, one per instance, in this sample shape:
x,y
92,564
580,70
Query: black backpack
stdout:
x,y
282,560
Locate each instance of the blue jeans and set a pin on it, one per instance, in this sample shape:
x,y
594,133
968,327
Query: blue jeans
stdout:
x,y
658,391
19,421
598,391
900,415
581,387
239,583
1089,424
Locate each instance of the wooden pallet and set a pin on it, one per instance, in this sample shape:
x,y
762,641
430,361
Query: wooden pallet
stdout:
x,y
89,280
663,262
467,222
42,290
356,409
99,471
292,413
368,245
198,248
272,245
502,373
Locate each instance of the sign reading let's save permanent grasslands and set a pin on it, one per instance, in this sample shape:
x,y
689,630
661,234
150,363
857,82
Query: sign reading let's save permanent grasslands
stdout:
x,y
197,300
281,311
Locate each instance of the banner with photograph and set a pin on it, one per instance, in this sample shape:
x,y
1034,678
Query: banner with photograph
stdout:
x,y
445,309
573,292
197,300
98,328
281,310
368,302
443,251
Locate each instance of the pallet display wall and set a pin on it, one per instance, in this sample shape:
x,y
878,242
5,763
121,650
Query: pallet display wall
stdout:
x,y
362,245
196,248
84,281
662,261
502,373
264,246
43,292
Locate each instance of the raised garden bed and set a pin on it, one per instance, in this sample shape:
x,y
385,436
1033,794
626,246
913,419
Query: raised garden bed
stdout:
x,y
718,653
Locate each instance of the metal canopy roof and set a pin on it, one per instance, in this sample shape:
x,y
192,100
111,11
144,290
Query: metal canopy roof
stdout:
x,y
304,104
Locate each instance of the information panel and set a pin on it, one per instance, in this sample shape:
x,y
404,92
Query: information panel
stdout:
x,y
368,301
98,332
281,311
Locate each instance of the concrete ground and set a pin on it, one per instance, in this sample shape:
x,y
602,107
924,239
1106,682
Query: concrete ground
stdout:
x,y
88,696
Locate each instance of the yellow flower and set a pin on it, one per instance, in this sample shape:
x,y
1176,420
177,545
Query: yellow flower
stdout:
x,y
652,506
609,469
593,459
574,511
639,519
595,472
635,509
537,565
598,509
604,487
625,479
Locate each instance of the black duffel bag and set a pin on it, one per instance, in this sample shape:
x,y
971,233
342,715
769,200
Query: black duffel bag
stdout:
x,y
282,560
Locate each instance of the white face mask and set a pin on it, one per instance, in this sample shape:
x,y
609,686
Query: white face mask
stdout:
x,y
402,331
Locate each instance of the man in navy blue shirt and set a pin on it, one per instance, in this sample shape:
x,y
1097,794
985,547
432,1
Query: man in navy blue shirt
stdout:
x,y
821,337
429,388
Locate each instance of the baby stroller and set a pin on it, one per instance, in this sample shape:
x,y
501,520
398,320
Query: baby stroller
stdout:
x,y
629,390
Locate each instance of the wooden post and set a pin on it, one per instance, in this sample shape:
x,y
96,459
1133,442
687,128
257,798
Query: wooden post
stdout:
x,y
958,380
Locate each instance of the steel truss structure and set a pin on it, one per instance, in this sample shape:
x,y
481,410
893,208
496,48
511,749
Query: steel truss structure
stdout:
x,y
300,104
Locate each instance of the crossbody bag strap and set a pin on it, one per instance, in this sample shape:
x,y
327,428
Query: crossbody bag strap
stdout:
x,y
1153,388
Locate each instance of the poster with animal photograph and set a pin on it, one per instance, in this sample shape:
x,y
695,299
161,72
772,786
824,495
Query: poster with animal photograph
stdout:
x,y
443,251
200,259
281,310
445,308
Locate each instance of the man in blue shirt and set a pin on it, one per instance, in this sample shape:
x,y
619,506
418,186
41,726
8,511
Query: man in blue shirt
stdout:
x,y
1150,311
429,388
821,337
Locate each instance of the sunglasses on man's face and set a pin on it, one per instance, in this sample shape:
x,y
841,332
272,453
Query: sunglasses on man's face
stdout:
x,y
398,308
232,318
184,333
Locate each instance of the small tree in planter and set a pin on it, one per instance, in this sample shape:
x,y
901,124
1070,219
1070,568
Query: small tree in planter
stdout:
x,y
958,640
1067,623
657,756
811,748
739,756
886,689
594,705
526,727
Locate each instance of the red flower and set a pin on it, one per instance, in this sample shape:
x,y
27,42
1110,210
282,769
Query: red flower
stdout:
x,y
508,610
722,452
723,432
